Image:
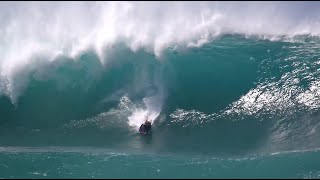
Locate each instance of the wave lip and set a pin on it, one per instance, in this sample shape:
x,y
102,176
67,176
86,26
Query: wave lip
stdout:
x,y
46,27
46,30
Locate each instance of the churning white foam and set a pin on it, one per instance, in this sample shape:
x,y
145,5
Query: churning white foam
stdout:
x,y
151,110
50,29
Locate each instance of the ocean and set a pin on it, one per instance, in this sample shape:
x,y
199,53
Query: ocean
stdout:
x,y
232,89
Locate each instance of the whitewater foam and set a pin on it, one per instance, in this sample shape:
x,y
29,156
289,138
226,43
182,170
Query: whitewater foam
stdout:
x,y
53,29
151,111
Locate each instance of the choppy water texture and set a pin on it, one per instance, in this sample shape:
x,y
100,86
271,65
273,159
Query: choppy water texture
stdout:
x,y
227,98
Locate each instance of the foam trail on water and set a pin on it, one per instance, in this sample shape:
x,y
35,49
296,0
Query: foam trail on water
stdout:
x,y
152,111
137,118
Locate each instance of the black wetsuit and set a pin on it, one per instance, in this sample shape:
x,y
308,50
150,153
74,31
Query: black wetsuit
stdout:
x,y
146,127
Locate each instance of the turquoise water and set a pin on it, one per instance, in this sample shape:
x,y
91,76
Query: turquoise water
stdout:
x,y
56,162
68,126
239,105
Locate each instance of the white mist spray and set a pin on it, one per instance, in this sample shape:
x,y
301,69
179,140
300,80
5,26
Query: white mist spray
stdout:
x,y
152,104
69,28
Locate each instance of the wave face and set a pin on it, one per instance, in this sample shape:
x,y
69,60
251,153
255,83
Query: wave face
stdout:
x,y
216,78
231,95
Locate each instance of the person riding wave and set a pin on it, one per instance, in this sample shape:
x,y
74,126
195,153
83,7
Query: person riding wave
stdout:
x,y
146,126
